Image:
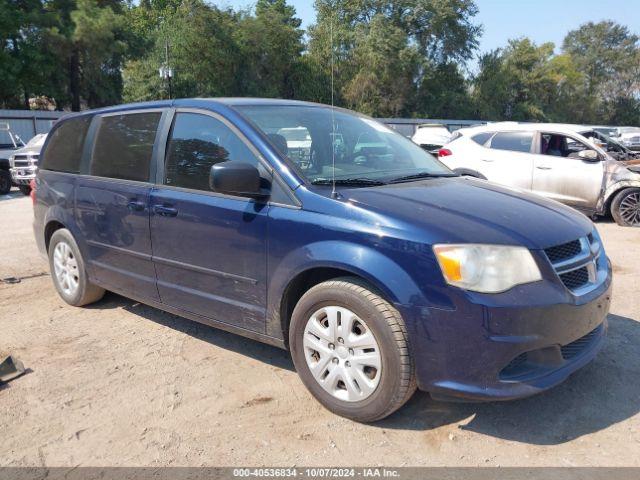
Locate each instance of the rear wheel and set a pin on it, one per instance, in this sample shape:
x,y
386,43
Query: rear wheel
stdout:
x,y
5,182
25,189
68,271
625,207
350,348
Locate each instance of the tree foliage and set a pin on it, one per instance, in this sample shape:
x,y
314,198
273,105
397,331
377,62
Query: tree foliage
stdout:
x,y
382,50
390,58
594,80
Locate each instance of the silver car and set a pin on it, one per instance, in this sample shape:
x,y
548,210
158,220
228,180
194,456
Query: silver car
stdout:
x,y
554,161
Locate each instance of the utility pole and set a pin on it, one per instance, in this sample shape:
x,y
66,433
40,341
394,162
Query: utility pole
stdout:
x,y
166,72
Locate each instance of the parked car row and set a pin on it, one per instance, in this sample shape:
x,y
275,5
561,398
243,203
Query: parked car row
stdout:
x,y
575,165
379,268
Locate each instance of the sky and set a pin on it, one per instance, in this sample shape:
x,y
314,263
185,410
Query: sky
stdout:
x,y
540,20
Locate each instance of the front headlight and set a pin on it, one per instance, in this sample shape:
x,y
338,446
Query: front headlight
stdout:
x,y
486,268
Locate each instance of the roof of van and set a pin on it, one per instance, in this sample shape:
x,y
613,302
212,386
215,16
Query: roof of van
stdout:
x,y
195,102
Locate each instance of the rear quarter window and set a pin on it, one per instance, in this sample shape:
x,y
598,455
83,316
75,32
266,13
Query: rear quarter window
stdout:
x,y
481,138
513,141
124,146
64,148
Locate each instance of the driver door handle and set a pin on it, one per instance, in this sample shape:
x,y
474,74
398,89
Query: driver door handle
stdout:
x,y
544,167
165,211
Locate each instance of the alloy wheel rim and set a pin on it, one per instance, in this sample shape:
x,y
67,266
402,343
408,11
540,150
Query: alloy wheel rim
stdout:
x,y
65,268
630,208
342,353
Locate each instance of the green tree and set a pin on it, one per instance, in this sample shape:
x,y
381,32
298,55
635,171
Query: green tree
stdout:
x,y
385,86
516,83
270,44
87,39
444,92
217,52
26,65
608,56
382,49
203,54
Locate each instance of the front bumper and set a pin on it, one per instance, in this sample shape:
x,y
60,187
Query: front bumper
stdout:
x,y
509,346
23,175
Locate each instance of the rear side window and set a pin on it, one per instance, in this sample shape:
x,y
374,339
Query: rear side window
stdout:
x,y
481,138
64,149
124,145
196,143
513,141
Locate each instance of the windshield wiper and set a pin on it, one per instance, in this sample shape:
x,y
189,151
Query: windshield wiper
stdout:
x,y
348,181
418,176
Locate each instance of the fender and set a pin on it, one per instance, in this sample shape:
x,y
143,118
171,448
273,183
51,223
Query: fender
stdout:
x,y
56,213
63,211
398,287
616,187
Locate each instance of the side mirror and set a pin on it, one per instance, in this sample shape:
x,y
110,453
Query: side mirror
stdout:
x,y
237,178
589,155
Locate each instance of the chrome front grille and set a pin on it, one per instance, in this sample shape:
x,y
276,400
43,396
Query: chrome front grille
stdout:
x,y
576,263
20,161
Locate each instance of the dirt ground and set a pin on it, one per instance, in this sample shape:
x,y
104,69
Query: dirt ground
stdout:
x,y
121,383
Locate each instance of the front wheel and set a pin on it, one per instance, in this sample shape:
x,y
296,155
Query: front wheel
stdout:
x,y
68,271
625,207
351,350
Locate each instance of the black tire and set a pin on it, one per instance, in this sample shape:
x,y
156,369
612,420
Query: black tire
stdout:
x,y
622,207
25,189
5,182
86,292
397,381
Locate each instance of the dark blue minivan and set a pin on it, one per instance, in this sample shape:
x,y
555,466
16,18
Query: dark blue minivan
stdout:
x,y
322,231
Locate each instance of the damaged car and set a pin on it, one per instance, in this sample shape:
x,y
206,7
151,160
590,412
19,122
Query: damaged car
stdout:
x,y
555,161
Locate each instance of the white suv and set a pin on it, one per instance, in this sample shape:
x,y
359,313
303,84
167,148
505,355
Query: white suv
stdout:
x,y
551,160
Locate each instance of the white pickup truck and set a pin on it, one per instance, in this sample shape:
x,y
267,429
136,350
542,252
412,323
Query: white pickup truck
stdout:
x,y
24,163
9,143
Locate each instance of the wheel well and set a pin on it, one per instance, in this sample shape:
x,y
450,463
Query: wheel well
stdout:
x,y
48,231
469,173
609,201
301,284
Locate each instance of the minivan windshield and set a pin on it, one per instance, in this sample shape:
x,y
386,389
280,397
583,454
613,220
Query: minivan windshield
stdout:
x,y
364,151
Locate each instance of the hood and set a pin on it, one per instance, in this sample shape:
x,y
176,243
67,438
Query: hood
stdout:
x,y
631,163
431,137
27,150
5,153
466,210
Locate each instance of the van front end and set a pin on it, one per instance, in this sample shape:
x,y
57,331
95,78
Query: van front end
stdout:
x,y
521,342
